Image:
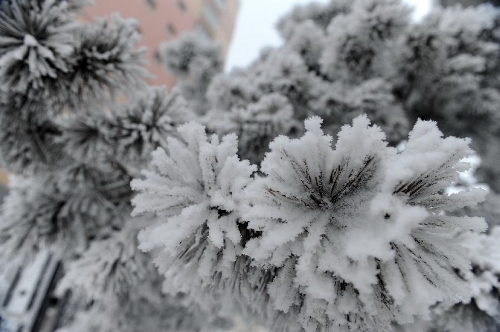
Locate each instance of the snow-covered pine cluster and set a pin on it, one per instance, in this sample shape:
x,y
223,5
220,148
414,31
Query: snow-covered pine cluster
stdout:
x,y
300,193
347,58
355,237
77,123
340,60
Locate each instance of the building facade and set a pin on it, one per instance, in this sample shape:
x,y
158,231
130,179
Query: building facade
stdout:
x,y
163,20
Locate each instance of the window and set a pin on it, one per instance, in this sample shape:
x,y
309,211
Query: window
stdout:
x,y
171,29
152,4
211,17
182,5
158,58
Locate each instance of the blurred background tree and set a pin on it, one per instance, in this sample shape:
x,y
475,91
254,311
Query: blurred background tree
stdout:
x,y
77,123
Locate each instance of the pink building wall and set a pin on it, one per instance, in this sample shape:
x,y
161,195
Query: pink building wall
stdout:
x,y
168,20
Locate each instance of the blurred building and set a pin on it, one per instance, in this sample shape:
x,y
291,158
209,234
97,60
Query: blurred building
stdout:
x,y
446,3
163,20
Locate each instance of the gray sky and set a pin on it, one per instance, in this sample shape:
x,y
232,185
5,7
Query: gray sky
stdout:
x,y
255,26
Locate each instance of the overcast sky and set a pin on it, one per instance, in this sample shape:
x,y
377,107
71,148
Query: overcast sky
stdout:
x,y
255,26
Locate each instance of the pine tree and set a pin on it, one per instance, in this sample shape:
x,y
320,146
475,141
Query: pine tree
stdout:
x,y
194,61
298,198
352,239
75,147
338,61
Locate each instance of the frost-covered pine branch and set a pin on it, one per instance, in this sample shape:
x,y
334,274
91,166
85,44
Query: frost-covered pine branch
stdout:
x,y
356,41
195,189
256,125
75,150
482,312
355,238
360,231
106,60
339,104
309,72
193,61
36,46
119,280
128,133
448,71
359,236
64,210
27,135
111,267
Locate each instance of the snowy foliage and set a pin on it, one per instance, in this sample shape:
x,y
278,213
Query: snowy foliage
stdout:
x,y
340,104
171,313
106,59
119,280
360,233
136,130
28,140
45,54
301,71
357,40
59,209
482,313
77,123
308,40
320,15
346,234
182,55
228,92
448,69
48,63
489,210
129,133
195,189
356,238
444,68
286,73
194,61
256,125
109,268
36,45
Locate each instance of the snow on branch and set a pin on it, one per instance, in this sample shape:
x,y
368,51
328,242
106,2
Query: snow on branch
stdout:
x,y
106,60
481,313
195,188
193,60
36,45
65,210
355,237
359,234
127,134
